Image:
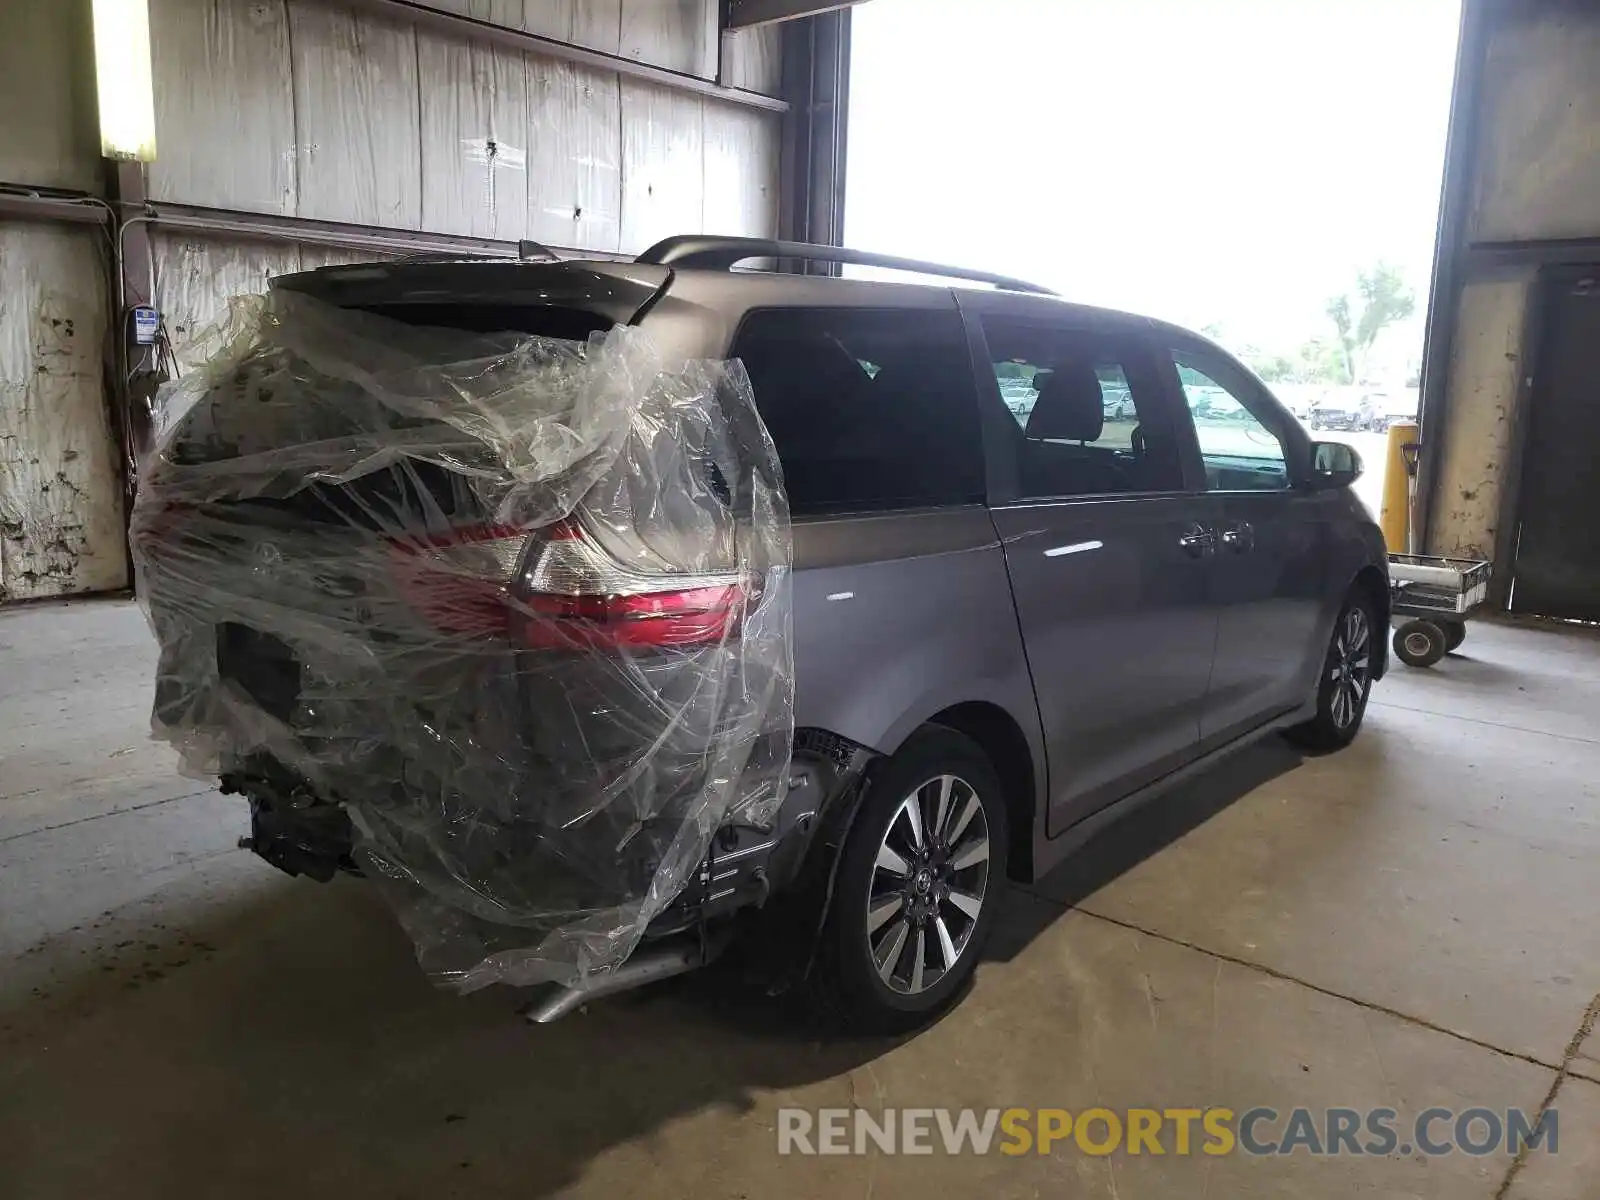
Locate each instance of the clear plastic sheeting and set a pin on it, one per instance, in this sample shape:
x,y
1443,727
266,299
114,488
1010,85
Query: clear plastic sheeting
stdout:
x,y
500,621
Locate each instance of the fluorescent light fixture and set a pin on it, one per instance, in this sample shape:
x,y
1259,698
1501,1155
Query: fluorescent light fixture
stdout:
x,y
122,74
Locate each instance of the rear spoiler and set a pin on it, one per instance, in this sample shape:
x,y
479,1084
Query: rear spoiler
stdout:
x,y
617,292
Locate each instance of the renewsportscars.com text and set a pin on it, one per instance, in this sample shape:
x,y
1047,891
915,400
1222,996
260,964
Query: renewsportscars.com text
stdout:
x,y
1178,1131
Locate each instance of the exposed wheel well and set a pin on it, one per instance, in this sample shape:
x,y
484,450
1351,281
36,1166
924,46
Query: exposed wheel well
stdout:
x,y
1370,580
1000,737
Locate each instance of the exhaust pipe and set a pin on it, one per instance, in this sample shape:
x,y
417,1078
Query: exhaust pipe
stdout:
x,y
647,967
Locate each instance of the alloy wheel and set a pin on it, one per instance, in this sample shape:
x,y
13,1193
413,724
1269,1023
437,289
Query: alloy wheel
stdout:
x,y
928,884
1349,667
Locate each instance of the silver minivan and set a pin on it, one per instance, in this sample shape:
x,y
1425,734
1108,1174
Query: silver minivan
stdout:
x,y
1033,584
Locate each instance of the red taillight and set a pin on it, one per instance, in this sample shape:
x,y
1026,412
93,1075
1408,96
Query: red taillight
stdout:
x,y
691,617
460,581
572,595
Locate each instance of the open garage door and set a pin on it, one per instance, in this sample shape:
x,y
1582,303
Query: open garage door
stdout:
x,y
1557,567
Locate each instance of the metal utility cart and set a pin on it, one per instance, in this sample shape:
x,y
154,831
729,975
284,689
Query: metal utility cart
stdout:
x,y
1434,595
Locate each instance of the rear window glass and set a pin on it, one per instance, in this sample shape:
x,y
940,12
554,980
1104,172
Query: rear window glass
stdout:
x,y
870,409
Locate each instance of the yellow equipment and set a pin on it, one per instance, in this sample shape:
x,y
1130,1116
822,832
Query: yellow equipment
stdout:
x,y
1394,517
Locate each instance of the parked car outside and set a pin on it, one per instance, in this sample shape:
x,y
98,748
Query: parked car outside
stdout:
x,y
1116,400
1341,409
1389,407
1014,618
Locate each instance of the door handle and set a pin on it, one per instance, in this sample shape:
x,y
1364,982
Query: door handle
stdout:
x,y
1199,541
1240,538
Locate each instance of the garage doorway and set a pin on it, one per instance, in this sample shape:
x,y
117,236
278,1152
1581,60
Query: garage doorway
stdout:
x,y
1556,572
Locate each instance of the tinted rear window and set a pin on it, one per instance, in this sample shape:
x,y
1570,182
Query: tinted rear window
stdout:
x,y
870,409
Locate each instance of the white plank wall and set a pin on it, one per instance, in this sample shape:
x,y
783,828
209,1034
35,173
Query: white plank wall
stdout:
x,y
304,108
357,108
475,134
596,24
508,13
225,108
753,59
198,278
741,149
680,35
574,155
663,164
60,484
195,279
60,489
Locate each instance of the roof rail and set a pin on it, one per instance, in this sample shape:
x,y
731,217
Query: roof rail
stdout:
x,y
721,253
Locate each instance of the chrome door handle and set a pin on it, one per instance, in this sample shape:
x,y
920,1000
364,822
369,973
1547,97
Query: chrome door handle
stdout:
x,y
1240,538
1198,541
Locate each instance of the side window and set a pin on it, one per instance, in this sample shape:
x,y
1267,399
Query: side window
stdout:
x,y
869,408
1089,419
1241,454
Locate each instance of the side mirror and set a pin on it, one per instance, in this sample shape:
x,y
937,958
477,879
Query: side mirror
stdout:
x,y
1334,465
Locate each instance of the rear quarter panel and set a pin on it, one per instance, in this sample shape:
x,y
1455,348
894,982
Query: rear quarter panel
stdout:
x,y
900,615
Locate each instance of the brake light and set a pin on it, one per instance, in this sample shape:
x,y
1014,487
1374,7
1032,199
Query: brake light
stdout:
x,y
689,617
460,581
572,595
576,596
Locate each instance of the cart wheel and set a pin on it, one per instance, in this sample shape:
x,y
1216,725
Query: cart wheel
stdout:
x,y
1420,643
1455,632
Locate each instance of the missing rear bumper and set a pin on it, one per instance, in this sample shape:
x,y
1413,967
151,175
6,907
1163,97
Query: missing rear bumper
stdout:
x,y
291,827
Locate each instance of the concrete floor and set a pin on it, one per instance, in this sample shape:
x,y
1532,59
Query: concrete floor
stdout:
x,y
1409,923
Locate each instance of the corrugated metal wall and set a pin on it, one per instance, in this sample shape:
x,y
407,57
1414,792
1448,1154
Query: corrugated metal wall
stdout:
x,y
60,490
305,108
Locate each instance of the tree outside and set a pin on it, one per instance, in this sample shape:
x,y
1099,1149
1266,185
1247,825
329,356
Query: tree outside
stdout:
x,y
1380,300
1385,298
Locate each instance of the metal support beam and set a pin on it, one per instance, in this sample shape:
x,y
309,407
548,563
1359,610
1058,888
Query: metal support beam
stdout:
x,y
423,17
219,222
1444,301
136,377
1481,258
18,202
743,14
816,82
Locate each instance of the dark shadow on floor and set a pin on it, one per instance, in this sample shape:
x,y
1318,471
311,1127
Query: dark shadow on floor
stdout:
x,y
1128,842
284,1043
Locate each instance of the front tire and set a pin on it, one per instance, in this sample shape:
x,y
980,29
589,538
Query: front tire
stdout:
x,y
917,887
1344,683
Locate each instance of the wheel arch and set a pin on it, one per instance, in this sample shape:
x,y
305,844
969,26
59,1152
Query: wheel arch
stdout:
x,y
1002,740
1374,584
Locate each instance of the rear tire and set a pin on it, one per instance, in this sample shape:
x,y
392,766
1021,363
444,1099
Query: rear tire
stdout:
x,y
1421,643
1344,682
1455,632
916,891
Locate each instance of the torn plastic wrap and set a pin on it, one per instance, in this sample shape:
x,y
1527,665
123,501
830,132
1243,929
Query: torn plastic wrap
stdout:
x,y
511,613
